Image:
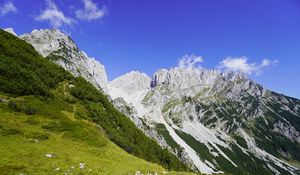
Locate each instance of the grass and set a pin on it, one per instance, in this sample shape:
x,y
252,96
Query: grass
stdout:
x,y
25,141
31,158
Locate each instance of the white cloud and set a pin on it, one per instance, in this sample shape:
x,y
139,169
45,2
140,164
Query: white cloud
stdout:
x,y
190,61
240,64
55,16
7,8
267,62
90,11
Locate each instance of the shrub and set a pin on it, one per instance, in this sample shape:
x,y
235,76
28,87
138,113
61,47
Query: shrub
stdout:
x,y
10,131
37,135
31,121
23,71
19,107
12,105
30,110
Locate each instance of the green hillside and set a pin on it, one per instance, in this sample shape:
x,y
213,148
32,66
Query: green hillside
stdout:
x,y
50,122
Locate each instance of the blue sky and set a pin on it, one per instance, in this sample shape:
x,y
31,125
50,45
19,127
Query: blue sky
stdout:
x,y
258,37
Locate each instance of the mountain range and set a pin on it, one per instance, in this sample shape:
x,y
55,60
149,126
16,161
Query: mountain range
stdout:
x,y
214,122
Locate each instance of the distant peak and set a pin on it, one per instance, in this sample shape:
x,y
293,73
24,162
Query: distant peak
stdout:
x,y
132,82
231,75
132,75
55,33
183,78
47,31
175,71
136,72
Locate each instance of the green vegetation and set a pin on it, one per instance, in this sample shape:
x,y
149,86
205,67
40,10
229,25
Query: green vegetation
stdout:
x,y
170,105
44,109
55,57
161,130
199,147
147,97
241,141
23,71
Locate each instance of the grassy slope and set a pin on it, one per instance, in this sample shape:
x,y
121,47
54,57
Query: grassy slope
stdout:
x,y
42,113
26,139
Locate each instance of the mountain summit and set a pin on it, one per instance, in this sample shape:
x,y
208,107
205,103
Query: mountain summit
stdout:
x,y
62,50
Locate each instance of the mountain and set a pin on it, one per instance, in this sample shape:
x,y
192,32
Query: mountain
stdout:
x,y
215,121
52,122
62,50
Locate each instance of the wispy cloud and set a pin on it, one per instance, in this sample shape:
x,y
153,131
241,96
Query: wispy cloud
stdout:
x,y
55,16
190,61
90,11
7,7
241,64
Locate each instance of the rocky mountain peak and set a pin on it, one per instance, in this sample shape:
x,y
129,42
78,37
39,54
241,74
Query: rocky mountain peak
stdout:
x,y
132,82
234,76
184,78
46,41
61,49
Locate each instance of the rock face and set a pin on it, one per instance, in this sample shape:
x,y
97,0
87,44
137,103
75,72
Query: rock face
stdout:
x,y
61,49
131,82
214,121
178,78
